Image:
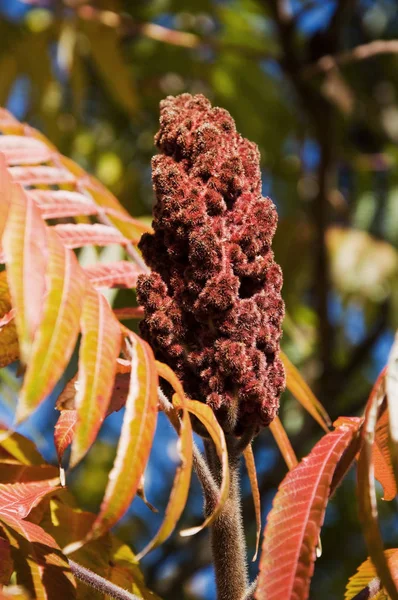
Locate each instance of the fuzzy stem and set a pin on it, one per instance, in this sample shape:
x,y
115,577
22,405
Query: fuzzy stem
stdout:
x,y
227,534
99,583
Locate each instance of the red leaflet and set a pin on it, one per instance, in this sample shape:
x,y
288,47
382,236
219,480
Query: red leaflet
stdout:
x,y
18,499
64,431
122,274
78,235
41,175
21,150
55,204
292,531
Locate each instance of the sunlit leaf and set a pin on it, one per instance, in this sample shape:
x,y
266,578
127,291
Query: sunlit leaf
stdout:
x,y
208,419
20,448
106,556
18,499
64,431
135,439
41,175
79,234
365,579
293,525
179,492
366,489
99,349
55,204
9,348
392,402
302,392
41,568
25,247
21,150
121,274
251,471
59,328
382,458
5,194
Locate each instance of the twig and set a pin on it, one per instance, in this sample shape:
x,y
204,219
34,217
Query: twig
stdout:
x,y
99,583
362,52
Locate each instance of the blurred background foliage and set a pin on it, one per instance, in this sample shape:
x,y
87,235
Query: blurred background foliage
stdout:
x,y
315,84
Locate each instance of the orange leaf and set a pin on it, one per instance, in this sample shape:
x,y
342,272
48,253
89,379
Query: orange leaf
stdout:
x,y
302,392
366,489
9,347
179,492
251,471
364,578
284,445
64,431
135,440
382,458
99,349
293,525
207,417
25,247
56,338
392,401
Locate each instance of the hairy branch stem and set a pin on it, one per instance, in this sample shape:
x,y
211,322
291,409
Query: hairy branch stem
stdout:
x,y
99,583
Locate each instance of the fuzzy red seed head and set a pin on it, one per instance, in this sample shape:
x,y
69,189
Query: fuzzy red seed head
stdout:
x,y
213,306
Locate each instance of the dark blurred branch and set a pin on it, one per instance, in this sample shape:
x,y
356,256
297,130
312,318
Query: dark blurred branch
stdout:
x,y
362,52
320,115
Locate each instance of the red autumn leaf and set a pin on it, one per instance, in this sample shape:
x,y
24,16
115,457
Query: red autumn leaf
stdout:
x,y
18,499
56,204
64,431
41,175
293,525
80,234
21,150
120,274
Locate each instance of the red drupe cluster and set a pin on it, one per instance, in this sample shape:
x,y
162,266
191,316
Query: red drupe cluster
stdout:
x,y
213,306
